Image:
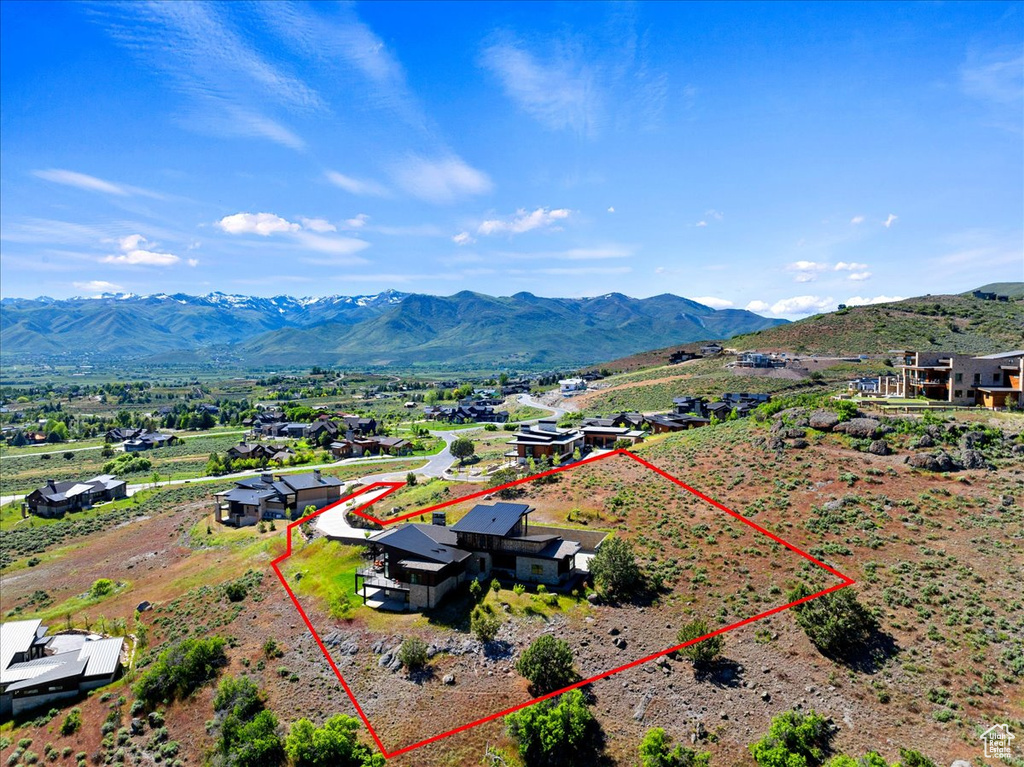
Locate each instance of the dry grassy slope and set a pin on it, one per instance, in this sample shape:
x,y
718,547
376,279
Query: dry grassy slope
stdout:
x,y
943,323
938,556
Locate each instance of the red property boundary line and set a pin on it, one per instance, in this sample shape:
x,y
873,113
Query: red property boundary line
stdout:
x,y
393,486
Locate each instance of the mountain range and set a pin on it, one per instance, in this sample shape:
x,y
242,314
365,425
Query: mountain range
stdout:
x,y
389,328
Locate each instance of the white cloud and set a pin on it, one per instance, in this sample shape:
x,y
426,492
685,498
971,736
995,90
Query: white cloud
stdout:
x,y
996,75
857,220
362,187
560,93
133,255
713,302
440,181
612,251
611,209
263,224
701,223
857,276
357,222
318,225
339,246
806,271
715,214
524,221
193,262
851,266
99,286
797,306
92,184
80,181
861,301
890,220
463,238
759,307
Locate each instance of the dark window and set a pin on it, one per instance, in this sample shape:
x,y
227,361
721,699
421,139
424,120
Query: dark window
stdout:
x,y
958,393
959,377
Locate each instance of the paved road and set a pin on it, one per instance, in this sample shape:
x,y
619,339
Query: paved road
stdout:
x,y
526,399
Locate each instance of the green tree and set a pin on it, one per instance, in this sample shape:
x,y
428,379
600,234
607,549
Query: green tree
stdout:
x,y
484,623
655,751
702,652
256,743
561,732
410,479
180,670
835,623
462,448
616,573
794,739
413,653
548,664
503,477
333,745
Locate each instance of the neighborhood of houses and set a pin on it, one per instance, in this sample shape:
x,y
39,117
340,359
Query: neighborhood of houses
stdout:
x,y
38,669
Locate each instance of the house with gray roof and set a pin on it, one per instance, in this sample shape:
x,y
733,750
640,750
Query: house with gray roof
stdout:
x,y
270,496
416,565
55,499
37,670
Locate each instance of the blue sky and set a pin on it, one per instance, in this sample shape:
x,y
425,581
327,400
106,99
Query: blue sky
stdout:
x,y
779,157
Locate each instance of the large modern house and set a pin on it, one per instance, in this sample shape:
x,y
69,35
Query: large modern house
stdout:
x,y
37,670
993,381
55,499
416,565
544,440
272,497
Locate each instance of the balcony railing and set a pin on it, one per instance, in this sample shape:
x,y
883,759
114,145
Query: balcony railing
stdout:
x,y
378,580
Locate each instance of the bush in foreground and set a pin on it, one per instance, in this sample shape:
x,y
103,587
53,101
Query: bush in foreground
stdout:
x,y
180,670
835,623
333,745
413,653
700,653
655,752
616,573
547,663
555,733
794,739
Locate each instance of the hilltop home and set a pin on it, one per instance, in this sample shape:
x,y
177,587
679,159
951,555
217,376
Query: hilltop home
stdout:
x,y
273,497
668,422
545,440
55,499
570,386
147,440
37,670
601,435
418,564
992,381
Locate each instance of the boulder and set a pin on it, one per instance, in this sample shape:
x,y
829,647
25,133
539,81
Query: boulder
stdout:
x,y
940,461
861,428
823,420
879,447
926,441
1018,449
973,459
449,679
794,433
799,444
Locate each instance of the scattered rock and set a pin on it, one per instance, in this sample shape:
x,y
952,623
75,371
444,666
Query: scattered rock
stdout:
x,y
879,447
973,459
794,433
1018,449
1007,500
776,444
861,428
799,444
823,420
619,642
766,696
613,632
449,679
641,707
940,461
926,441
594,598
960,763
138,726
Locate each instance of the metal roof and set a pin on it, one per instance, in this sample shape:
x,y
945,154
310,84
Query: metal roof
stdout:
x,y
498,519
306,481
431,542
16,637
103,656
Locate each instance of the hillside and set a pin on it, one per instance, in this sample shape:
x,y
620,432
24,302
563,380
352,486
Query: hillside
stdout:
x,y
390,328
949,323
1011,289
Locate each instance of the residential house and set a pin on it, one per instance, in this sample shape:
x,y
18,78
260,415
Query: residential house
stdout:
x,y
993,381
147,440
681,355
569,386
360,424
604,437
544,440
669,422
418,564
259,452
322,426
37,670
123,434
466,412
863,385
689,406
55,499
630,420
270,496
720,410
759,360
710,349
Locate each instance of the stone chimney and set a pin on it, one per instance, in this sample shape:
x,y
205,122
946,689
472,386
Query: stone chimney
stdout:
x,y
51,484
316,474
267,477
